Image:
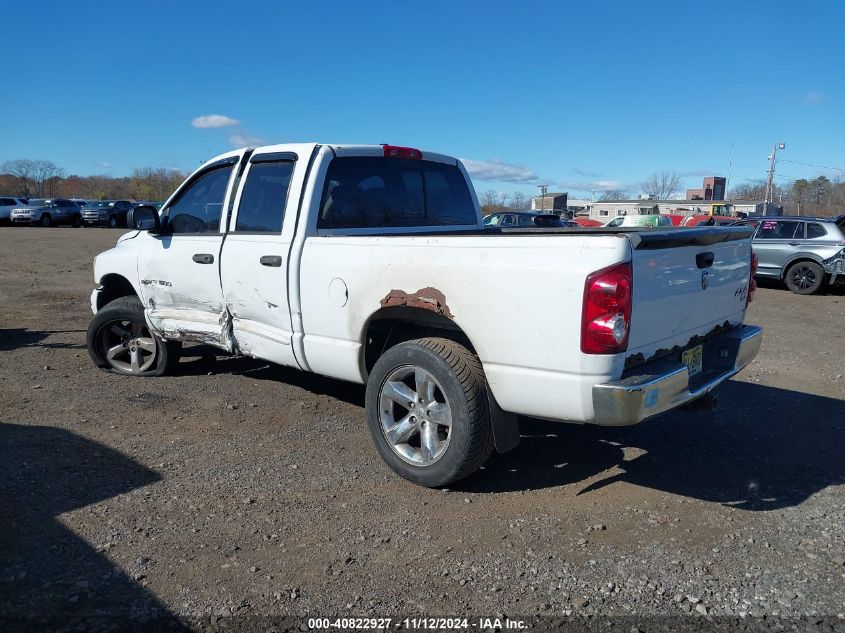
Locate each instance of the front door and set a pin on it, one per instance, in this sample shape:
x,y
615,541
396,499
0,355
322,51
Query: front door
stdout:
x,y
254,273
180,269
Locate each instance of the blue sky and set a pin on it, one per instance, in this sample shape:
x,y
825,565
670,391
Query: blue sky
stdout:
x,y
583,96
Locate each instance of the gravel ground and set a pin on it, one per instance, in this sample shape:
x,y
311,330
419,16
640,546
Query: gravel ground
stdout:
x,y
237,488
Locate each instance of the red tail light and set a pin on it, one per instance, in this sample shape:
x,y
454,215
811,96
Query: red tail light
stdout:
x,y
606,315
394,151
752,284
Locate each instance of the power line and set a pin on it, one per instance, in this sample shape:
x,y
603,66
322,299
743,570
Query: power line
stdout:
x,y
798,162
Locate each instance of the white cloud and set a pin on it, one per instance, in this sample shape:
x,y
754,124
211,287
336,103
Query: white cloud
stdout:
x,y
241,139
213,121
592,185
499,171
105,164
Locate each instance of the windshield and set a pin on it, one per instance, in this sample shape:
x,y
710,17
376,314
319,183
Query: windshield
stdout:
x,y
38,202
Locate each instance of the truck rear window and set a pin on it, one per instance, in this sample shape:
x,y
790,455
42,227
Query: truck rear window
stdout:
x,y
373,192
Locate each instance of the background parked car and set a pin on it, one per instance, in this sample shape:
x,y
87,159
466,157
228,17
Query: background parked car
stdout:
x,y
7,203
47,212
91,211
525,219
803,252
111,213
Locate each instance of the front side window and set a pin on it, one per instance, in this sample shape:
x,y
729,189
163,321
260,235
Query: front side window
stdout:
x,y
198,207
777,230
265,192
372,192
492,220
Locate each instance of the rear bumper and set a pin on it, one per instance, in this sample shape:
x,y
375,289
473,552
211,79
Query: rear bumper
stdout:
x,y
665,384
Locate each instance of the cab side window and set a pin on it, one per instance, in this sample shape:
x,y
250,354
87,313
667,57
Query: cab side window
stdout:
x,y
199,206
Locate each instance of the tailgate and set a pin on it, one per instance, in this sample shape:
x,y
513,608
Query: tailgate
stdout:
x,y
688,284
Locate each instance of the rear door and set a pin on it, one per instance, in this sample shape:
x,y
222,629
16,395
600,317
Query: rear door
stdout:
x,y
180,269
255,261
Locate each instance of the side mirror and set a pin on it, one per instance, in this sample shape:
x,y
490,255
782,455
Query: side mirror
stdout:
x,y
143,218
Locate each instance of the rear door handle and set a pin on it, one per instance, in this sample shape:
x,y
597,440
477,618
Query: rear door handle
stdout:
x,y
203,258
271,260
795,243
704,260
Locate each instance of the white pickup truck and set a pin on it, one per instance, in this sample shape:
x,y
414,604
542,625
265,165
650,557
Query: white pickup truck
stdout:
x,y
370,263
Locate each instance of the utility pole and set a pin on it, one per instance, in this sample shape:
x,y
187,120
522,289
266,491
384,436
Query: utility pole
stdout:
x,y
543,189
770,192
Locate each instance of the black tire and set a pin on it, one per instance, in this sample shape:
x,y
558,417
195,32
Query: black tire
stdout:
x,y
113,222
804,278
461,381
46,220
116,315
77,221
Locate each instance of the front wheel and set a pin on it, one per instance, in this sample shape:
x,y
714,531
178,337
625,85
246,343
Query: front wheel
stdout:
x,y
119,341
46,220
428,413
804,278
113,222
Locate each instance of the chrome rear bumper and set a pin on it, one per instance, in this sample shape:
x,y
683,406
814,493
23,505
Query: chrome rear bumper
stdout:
x,y
665,384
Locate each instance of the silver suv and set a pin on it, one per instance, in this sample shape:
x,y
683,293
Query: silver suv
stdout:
x,y
804,252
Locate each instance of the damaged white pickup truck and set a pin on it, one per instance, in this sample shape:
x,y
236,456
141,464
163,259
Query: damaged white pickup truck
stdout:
x,y
371,264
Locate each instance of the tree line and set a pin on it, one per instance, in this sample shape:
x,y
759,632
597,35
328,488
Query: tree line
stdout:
x,y
43,179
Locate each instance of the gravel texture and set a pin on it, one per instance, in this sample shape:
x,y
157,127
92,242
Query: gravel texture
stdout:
x,y
238,488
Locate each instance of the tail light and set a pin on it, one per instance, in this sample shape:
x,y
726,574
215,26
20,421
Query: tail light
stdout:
x,y
606,315
752,284
394,151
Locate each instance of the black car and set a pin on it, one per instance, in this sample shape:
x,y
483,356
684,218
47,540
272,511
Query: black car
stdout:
x,y
512,219
111,213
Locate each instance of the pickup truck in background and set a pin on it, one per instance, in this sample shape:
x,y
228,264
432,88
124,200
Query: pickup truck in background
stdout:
x,y
371,264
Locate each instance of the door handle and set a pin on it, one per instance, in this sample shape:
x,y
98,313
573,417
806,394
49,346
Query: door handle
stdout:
x,y
704,260
271,260
203,258
795,243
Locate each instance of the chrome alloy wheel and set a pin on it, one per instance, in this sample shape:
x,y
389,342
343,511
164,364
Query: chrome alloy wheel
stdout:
x,y
415,416
803,277
128,346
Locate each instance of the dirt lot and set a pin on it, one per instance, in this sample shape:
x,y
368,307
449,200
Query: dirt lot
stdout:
x,y
240,489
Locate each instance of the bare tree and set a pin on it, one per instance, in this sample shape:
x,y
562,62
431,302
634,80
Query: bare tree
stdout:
x,y
519,201
22,172
749,190
492,201
613,195
662,184
33,177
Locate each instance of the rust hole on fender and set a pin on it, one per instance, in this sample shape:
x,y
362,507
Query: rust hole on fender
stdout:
x,y
426,298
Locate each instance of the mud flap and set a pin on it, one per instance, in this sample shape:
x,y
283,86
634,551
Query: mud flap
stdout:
x,y
505,426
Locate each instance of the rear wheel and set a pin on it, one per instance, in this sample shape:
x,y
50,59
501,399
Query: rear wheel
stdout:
x,y
119,341
427,411
804,278
77,221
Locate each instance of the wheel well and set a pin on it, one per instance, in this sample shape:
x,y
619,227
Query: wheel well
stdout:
x,y
798,260
393,325
113,287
